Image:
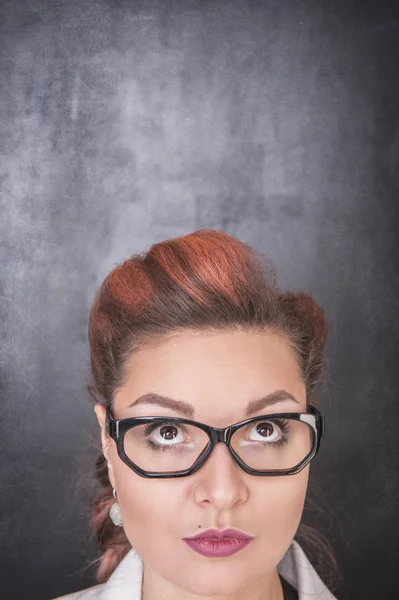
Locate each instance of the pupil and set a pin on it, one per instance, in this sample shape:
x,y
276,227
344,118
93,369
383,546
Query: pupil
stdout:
x,y
264,429
168,432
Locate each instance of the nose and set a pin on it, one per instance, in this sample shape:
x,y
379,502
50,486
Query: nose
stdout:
x,y
220,481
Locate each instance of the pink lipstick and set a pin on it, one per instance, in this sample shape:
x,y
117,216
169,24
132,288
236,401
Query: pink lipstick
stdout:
x,y
217,543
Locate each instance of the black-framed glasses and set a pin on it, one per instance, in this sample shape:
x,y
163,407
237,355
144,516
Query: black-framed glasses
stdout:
x,y
166,447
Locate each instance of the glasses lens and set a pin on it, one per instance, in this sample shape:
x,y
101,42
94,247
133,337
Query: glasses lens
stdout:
x,y
164,446
275,444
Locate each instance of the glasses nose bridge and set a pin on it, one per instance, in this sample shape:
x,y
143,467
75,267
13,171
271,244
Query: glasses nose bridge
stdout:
x,y
220,434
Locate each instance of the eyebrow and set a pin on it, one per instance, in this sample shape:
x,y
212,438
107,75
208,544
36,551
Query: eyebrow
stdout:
x,y
188,410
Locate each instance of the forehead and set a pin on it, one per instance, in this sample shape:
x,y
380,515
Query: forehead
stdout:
x,y
217,373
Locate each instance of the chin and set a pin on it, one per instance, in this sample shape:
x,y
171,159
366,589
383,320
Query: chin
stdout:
x,y
225,583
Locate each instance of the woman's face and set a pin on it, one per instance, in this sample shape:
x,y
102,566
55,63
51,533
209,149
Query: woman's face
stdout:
x,y
218,374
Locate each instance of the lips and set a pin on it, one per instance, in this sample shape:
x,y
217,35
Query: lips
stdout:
x,y
217,543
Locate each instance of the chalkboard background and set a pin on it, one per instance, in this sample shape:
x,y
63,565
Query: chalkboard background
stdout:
x,y
127,122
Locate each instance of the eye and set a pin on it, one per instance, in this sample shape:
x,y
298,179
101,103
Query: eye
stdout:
x,y
265,431
165,434
168,432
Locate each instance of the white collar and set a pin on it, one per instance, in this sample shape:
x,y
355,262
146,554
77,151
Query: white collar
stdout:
x,y
295,567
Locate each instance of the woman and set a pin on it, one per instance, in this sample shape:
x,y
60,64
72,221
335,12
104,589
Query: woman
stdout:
x,y
204,375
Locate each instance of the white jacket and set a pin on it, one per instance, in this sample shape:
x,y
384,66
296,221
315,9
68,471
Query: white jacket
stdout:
x,y
125,581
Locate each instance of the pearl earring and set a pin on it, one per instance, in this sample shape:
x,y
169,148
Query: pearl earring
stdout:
x,y
115,512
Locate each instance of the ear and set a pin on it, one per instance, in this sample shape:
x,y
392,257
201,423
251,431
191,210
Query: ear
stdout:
x,y
106,441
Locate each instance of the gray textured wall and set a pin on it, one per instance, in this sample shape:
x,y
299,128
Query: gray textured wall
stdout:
x,y
126,122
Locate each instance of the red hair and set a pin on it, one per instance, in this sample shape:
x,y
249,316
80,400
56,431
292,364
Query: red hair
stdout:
x,y
205,280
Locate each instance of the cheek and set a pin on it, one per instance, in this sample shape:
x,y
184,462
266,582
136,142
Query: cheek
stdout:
x,y
151,510
279,507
